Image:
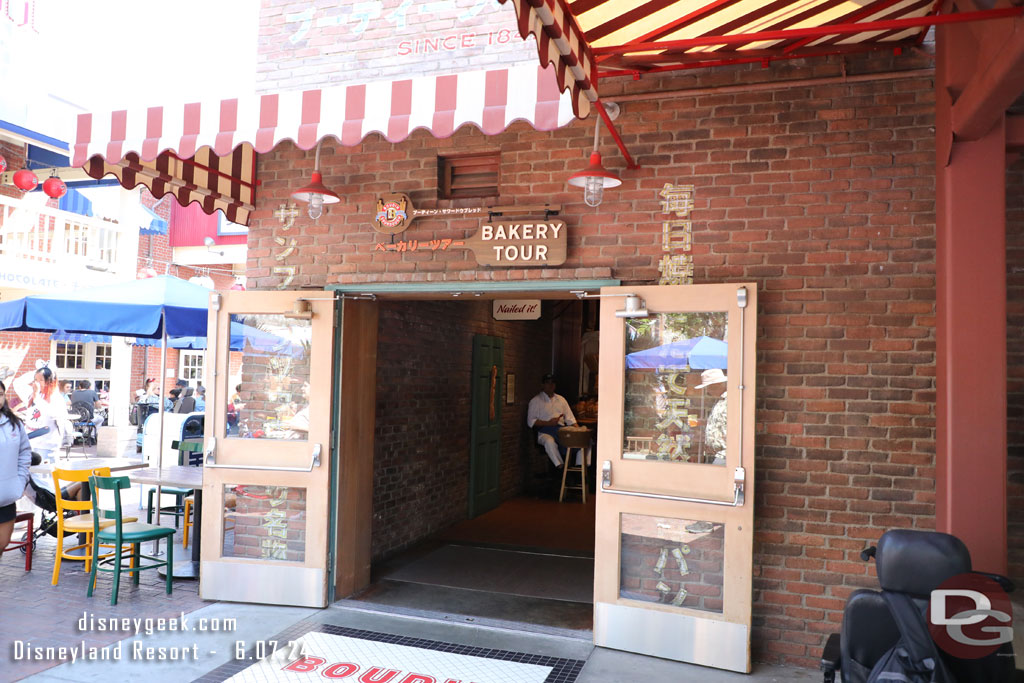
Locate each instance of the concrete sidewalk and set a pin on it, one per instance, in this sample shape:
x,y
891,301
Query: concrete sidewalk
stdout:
x,y
259,622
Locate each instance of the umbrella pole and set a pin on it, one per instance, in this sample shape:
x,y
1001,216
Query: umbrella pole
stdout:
x,y
160,431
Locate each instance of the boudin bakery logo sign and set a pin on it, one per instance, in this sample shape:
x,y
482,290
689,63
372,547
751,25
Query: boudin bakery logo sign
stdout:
x,y
395,212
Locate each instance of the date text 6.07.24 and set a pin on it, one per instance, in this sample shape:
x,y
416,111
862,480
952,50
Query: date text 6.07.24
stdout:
x,y
290,649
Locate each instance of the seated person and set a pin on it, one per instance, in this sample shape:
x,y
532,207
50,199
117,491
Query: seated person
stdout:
x,y
200,398
86,394
547,412
152,395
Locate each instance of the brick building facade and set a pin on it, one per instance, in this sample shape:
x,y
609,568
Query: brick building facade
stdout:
x,y
823,195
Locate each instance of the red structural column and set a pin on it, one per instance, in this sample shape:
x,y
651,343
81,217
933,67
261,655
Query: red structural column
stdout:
x,y
971,331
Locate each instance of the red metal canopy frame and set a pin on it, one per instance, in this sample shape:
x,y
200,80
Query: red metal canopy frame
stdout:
x,y
590,40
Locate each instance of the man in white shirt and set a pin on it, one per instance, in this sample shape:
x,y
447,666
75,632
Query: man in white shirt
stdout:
x,y
547,412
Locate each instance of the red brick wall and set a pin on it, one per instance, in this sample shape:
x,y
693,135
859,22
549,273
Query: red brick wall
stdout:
x,y
823,196
1015,366
15,156
421,440
19,352
319,44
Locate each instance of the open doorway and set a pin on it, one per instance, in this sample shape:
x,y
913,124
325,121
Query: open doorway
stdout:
x,y
437,548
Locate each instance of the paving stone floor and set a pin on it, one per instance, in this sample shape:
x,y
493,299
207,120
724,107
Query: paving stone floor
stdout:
x,y
36,612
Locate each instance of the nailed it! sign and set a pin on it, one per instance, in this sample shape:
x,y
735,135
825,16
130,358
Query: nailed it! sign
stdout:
x,y
516,309
525,242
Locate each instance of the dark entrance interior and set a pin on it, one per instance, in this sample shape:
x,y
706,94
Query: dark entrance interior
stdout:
x,y
515,557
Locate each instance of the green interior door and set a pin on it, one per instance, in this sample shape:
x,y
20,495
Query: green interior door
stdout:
x,y
485,436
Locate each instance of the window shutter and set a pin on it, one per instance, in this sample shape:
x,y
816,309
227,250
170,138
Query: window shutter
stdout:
x,y
468,175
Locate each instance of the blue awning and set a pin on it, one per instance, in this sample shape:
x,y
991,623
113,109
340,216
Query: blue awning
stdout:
x,y
76,338
75,202
157,226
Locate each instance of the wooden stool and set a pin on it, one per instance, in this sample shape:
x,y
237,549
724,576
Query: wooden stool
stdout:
x,y
574,439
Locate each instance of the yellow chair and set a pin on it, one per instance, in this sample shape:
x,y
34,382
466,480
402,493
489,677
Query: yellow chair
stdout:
x,y
229,504
80,524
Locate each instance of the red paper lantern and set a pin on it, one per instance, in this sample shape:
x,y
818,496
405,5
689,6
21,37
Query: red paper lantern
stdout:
x,y
3,163
25,180
54,187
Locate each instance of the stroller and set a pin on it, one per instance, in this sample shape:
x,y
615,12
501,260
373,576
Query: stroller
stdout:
x,y
879,626
44,499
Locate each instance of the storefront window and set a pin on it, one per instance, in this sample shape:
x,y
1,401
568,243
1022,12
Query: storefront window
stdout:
x,y
676,367
191,366
69,356
265,522
270,400
677,562
103,356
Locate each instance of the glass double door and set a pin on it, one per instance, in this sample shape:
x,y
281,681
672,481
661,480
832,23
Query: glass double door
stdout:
x,y
674,537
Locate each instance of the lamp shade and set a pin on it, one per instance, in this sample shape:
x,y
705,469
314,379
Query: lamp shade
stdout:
x,y
316,186
593,179
316,194
595,170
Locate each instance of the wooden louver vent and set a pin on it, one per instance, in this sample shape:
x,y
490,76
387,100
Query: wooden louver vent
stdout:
x,y
468,175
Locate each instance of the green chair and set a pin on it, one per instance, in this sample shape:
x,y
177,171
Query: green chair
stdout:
x,y
189,453
120,533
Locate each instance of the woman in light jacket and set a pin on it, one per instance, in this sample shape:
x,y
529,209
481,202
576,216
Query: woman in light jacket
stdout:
x,y
15,456
47,410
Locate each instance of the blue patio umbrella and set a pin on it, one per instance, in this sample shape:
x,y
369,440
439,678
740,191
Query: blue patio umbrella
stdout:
x,y
141,308
155,308
700,353
243,338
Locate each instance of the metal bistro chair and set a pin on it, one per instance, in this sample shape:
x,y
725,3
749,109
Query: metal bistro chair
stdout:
x,y
119,533
85,424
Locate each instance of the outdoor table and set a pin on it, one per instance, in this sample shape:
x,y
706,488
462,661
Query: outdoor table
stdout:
x,y
115,465
185,477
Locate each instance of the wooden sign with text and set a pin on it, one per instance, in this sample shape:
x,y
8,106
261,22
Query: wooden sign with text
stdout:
x,y
520,243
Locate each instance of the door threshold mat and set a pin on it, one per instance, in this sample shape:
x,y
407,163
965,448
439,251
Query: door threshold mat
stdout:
x,y
348,653
534,575
510,612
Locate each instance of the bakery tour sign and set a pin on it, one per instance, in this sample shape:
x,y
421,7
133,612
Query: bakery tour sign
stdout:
x,y
511,242
520,242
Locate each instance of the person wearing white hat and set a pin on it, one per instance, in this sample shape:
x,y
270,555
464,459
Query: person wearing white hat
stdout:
x,y
715,430
547,412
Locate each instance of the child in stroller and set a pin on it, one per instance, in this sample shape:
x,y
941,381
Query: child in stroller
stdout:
x,y
40,491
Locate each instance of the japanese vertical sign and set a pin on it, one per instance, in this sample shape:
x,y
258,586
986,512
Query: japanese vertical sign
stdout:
x,y
286,215
676,265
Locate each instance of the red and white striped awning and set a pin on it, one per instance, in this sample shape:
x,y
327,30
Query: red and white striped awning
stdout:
x,y
591,40
204,151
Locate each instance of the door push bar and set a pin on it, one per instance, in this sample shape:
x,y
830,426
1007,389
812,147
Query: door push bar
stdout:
x,y
211,461
738,497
